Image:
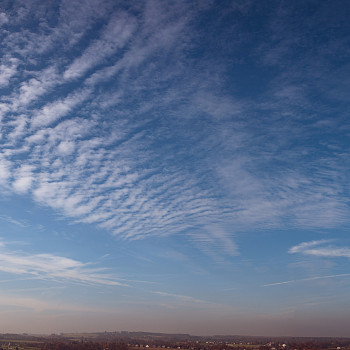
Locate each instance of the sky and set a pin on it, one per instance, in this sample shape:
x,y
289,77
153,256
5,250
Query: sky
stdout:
x,y
175,166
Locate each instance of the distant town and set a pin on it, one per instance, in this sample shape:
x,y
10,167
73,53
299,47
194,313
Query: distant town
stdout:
x,y
154,341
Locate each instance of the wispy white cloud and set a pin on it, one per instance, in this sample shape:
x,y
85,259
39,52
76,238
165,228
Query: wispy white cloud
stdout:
x,y
72,28
318,248
58,109
20,223
180,297
5,170
305,245
3,18
7,70
114,36
48,266
23,178
40,84
215,241
307,279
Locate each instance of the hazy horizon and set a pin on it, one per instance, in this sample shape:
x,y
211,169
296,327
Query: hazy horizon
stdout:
x,y
175,166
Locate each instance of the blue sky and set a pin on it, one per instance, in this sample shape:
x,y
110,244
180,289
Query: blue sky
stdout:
x,y
175,166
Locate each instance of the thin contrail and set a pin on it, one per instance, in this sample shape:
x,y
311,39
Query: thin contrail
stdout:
x,y
306,279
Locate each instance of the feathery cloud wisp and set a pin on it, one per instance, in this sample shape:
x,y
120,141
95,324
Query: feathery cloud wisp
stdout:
x,y
307,279
318,248
48,266
181,297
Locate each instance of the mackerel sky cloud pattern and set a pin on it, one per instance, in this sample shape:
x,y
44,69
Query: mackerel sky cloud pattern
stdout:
x,y
126,156
199,123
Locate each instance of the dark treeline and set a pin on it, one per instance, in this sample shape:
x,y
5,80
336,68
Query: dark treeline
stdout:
x,y
84,345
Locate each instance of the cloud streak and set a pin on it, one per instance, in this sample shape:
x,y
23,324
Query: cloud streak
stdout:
x,y
180,297
114,36
306,279
317,248
48,266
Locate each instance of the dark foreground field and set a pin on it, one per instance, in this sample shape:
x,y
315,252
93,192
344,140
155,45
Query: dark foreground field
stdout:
x,y
160,341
